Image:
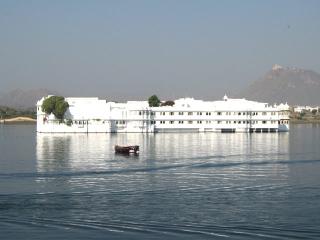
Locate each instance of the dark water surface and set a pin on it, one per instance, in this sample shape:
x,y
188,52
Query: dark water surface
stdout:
x,y
181,186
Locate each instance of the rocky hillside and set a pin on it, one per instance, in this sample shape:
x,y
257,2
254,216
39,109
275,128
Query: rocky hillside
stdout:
x,y
23,99
282,84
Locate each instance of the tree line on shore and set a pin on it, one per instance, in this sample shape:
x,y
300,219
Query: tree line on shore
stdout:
x,y
7,112
306,116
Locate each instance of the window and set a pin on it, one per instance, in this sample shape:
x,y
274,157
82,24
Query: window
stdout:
x,y
219,122
199,122
162,113
208,122
264,122
171,122
190,122
180,122
219,113
171,113
208,113
180,113
239,113
190,113
199,113
264,113
140,113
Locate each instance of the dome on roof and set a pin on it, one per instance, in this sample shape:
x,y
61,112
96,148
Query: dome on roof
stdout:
x,y
225,98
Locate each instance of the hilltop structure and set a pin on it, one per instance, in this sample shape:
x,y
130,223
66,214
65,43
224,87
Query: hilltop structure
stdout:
x,y
286,84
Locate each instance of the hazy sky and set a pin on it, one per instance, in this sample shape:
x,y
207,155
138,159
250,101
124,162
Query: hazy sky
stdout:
x,y
133,49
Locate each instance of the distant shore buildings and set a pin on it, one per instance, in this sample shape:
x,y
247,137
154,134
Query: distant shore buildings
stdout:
x,y
93,115
301,109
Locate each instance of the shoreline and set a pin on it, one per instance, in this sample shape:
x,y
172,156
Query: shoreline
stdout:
x,y
304,121
15,120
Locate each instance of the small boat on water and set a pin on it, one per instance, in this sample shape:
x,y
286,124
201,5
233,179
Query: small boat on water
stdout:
x,y
126,149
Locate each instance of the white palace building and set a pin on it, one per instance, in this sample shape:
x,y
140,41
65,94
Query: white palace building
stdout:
x,y
93,115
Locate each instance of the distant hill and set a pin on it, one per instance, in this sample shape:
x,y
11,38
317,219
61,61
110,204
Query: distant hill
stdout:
x,y
283,84
23,99
279,85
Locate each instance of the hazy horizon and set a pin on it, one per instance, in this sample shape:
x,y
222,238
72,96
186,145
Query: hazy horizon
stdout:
x,y
133,49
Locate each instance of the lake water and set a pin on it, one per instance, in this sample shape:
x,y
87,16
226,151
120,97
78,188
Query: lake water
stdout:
x,y
181,186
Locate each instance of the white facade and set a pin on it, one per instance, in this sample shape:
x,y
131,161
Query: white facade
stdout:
x,y
189,115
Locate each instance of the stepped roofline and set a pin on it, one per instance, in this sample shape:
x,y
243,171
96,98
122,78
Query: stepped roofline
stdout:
x,y
277,67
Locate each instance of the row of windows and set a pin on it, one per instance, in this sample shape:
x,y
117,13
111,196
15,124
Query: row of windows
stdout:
x,y
80,122
245,113
200,113
211,113
222,122
122,122
284,122
146,113
184,113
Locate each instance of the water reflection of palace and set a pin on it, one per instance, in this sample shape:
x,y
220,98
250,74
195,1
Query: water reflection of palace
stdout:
x,y
95,151
81,151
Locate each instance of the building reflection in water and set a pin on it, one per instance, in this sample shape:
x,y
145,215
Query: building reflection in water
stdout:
x,y
83,152
86,169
